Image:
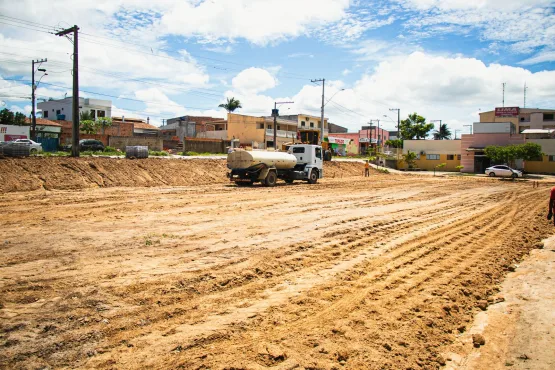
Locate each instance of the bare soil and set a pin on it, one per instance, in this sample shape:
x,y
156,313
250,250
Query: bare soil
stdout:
x,y
383,272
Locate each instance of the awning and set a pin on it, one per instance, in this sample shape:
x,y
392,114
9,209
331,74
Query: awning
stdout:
x,y
475,149
536,131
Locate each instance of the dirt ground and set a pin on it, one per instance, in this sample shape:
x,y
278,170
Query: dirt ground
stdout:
x,y
381,273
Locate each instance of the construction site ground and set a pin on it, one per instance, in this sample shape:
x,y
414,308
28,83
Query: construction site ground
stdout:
x,y
112,263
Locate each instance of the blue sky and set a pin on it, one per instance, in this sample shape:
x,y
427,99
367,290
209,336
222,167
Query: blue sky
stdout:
x,y
443,59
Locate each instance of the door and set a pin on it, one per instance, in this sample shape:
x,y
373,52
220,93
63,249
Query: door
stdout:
x,y
49,144
318,157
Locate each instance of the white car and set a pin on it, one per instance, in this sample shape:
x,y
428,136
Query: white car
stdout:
x,y
503,171
34,146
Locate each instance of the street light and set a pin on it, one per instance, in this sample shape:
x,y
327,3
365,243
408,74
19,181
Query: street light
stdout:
x,y
275,114
338,91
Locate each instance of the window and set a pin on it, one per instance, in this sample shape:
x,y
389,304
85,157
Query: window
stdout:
x,y
93,114
548,116
298,150
537,159
303,123
318,153
45,114
261,126
62,109
458,157
450,157
279,127
269,127
432,156
311,124
100,113
58,112
552,158
306,118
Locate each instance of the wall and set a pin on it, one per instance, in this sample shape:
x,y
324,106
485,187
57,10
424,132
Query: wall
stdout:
x,y
120,142
118,129
548,145
544,166
429,165
433,146
12,132
204,145
245,128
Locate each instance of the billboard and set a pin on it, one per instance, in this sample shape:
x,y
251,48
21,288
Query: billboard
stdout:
x,y
506,112
339,140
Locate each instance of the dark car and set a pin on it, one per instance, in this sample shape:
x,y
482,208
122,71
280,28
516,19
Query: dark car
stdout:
x,y
91,145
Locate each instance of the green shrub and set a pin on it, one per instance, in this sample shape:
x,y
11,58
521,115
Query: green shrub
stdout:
x,y
155,153
110,149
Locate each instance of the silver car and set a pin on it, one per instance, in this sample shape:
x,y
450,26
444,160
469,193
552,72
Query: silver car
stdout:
x,y
34,146
503,171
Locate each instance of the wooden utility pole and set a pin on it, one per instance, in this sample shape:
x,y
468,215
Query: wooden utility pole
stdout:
x,y
75,111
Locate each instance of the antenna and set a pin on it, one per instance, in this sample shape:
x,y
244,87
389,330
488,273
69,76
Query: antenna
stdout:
x,y
504,83
525,88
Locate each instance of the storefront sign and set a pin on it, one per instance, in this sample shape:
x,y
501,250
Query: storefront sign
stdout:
x,y
339,140
367,140
506,112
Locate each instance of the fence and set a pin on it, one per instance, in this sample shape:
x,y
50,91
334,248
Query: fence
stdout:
x,y
120,142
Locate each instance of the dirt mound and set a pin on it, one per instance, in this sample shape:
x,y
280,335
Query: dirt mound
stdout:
x,y
78,173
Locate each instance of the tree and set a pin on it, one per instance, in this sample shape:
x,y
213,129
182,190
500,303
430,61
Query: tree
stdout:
x,y
443,133
7,117
415,127
441,165
231,105
409,158
85,116
104,122
394,143
88,126
508,154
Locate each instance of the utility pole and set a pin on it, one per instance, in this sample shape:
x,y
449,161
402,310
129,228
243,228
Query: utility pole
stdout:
x,y
504,83
370,141
275,114
323,80
525,88
75,111
398,124
33,88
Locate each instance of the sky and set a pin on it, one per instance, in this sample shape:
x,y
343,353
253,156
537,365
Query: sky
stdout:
x,y
444,59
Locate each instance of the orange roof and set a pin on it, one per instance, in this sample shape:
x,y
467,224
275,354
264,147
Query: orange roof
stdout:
x,y
43,122
144,126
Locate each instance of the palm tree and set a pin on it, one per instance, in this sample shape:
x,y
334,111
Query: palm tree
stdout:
x,y
443,133
231,105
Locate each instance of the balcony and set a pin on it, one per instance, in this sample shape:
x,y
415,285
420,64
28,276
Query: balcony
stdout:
x,y
281,133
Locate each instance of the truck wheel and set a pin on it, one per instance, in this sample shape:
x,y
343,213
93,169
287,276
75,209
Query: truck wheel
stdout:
x,y
313,177
271,179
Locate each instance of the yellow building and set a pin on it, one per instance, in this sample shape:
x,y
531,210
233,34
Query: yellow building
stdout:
x,y
430,153
546,164
307,122
256,132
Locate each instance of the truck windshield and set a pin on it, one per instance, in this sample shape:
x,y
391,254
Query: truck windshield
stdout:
x,y
298,150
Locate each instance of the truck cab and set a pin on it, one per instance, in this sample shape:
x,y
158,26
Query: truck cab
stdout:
x,y
309,157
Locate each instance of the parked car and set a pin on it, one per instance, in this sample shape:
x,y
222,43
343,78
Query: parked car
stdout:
x,y
34,146
87,145
503,171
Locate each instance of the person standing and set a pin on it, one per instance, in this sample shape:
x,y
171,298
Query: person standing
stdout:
x,y
551,204
367,169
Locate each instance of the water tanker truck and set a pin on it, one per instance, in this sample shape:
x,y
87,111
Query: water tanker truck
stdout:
x,y
301,162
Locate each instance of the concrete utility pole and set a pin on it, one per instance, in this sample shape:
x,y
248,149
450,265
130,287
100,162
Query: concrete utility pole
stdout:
x,y
398,124
275,114
33,88
504,83
75,111
323,80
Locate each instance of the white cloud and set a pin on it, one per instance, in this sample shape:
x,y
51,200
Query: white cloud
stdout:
x,y
300,55
346,72
260,22
253,80
543,56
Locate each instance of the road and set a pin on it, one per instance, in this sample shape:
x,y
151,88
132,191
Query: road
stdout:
x,y
380,273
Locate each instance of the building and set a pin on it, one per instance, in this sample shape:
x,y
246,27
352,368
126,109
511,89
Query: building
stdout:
x,y
14,132
431,153
257,132
142,128
336,129
307,122
62,109
188,126
521,118
361,141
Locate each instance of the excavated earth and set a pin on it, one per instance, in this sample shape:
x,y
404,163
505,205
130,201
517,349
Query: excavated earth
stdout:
x,y
383,272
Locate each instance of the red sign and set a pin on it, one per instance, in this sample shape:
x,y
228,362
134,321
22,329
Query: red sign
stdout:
x,y
506,112
14,137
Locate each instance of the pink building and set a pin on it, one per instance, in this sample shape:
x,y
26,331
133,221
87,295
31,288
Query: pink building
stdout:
x,y
472,149
362,140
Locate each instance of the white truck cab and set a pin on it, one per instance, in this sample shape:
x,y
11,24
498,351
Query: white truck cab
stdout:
x,y
309,157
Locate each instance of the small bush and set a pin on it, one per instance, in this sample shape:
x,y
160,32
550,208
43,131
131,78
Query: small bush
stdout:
x,y
155,153
110,149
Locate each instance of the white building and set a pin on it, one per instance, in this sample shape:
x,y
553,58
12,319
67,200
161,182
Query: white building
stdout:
x,y
62,109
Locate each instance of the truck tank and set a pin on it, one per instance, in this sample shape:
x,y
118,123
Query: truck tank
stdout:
x,y
242,159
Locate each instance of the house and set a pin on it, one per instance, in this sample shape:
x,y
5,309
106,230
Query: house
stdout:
x,y
307,122
361,141
431,153
188,126
62,109
144,129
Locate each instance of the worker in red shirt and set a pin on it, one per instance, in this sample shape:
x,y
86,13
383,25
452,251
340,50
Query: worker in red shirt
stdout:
x,y
551,204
